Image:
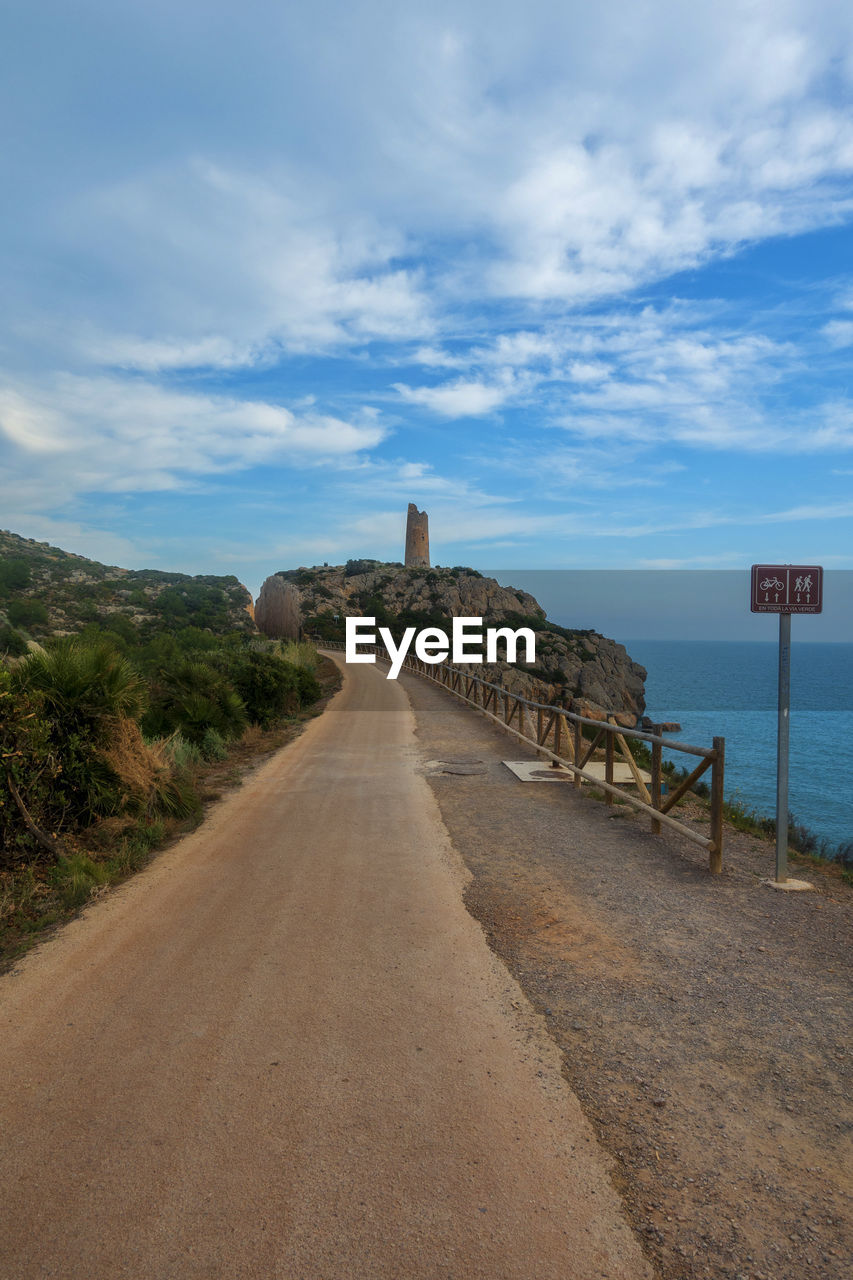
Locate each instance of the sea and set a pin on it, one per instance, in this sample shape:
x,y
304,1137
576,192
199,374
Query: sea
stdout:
x,y
729,689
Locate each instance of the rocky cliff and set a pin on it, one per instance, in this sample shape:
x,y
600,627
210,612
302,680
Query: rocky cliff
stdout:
x,y
587,672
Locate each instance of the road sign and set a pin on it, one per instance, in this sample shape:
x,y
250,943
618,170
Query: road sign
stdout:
x,y
786,588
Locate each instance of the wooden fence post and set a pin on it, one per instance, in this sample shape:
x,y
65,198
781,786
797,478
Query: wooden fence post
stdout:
x,y
558,732
715,861
656,777
608,766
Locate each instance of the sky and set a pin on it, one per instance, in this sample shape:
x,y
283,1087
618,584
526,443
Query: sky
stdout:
x,y
681,604
576,279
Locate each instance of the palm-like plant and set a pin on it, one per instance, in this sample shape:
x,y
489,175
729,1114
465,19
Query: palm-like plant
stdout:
x,y
192,697
85,691
83,684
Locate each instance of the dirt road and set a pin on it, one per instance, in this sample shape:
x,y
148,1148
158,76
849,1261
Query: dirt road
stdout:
x,y
285,1050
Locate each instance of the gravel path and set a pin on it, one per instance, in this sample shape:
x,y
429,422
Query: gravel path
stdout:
x,y
704,1021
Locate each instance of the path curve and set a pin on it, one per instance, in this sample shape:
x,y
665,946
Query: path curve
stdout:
x,y
285,1050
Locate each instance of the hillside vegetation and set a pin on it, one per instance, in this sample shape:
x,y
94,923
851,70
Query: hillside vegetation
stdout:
x,y
45,591
119,693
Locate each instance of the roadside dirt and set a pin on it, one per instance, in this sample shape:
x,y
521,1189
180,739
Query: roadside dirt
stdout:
x,y
704,1021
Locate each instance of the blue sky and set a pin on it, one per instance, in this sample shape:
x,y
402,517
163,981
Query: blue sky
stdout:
x,y
577,279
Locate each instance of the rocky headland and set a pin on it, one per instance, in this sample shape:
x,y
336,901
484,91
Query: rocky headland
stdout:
x,y
582,670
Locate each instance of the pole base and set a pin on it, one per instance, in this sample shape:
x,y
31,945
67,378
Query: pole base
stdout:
x,y
789,886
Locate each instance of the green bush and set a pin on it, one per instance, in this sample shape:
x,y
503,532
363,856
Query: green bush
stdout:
x,y
213,745
12,642
82,694
78,878
269,687
14,575
308,685
83,684
191,697
30,760
181,753
26,613
354,567
325,625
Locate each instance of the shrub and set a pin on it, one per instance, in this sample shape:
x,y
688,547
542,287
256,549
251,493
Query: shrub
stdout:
x,y
77,879
12,643
14,575
27,613
268,686
213,745
325,625
299,654
88,699
81,684
30,761
308,686
192,696
180,753
353,568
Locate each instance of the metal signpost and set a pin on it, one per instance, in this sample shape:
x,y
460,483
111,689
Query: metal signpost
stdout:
x,y
785,589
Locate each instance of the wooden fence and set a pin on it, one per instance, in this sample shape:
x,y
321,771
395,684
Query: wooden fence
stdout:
x,y
570,741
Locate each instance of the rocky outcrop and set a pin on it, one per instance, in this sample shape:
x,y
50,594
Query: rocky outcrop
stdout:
x,y
582,670
277,610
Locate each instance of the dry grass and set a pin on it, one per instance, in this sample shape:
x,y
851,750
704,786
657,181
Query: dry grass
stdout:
x,y
141,768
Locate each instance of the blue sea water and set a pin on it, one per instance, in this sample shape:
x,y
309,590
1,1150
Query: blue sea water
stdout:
x,y
729,689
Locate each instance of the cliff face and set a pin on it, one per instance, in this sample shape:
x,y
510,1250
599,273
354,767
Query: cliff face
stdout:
x,y
587,672
277,611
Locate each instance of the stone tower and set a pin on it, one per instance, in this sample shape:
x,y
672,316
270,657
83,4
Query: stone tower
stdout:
x,y
417,539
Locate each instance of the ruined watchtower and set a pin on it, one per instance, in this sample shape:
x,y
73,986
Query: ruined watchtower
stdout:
x,y
417,539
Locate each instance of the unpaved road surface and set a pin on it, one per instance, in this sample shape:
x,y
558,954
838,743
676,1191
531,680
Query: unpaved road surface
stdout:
x,y
286,1050
705,1020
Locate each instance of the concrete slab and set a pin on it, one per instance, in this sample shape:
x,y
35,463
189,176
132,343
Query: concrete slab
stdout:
x,y
541,771
789,886
537,771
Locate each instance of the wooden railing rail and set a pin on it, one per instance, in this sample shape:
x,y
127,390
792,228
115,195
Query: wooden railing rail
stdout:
x,y
558,735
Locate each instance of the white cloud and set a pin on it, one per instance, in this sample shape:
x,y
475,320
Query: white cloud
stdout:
x,y
838,333
817,511
113,435
585,222
212,267
460,399
588,371
157,355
